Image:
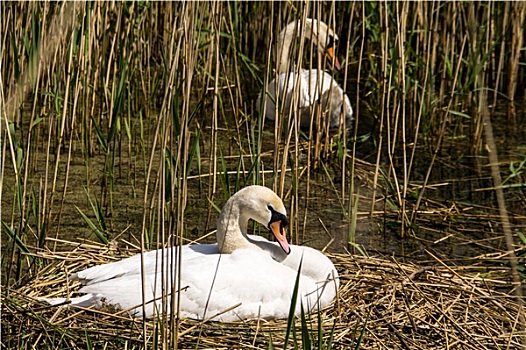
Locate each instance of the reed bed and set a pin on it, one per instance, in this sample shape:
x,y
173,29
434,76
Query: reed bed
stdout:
x,y
133,122
382,304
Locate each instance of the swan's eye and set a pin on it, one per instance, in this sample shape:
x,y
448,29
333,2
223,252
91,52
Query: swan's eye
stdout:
x,y
277,216
332,42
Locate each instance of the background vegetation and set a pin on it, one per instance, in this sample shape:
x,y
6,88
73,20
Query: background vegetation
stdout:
x,y
128,123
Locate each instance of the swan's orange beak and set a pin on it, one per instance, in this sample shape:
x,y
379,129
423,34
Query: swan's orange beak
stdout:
x,y
330,56
279,232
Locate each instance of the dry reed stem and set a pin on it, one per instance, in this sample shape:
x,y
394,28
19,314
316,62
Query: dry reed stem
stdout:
x,y
400,305
506,226
192,52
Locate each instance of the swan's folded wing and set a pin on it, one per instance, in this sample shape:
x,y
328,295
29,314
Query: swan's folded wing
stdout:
x,y
151,262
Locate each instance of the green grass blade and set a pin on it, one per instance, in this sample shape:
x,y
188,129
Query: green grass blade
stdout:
x,y
305,332
320,331
362,332
292,310
89,346
100,137
11,233
331,336
100,235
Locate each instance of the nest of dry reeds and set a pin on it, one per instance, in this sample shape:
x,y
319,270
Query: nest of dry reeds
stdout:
x,y
382,304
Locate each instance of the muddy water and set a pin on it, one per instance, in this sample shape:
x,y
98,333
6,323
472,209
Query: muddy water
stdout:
x,y
452,221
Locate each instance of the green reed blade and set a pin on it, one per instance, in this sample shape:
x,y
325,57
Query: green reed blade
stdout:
x,y
12,233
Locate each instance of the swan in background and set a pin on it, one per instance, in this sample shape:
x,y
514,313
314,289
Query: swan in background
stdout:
x,y
247,276
316,87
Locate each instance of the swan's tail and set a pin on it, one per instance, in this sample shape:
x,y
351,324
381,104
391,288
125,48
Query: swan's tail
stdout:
x,y
83,301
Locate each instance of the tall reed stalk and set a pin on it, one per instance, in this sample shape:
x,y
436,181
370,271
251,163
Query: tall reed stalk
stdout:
x,y
143,116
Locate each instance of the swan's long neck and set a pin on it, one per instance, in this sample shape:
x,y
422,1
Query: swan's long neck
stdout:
x,y
285,44
231,229
232,233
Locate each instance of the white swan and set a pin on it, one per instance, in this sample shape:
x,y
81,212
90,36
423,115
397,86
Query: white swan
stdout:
x,y
317,89
249,273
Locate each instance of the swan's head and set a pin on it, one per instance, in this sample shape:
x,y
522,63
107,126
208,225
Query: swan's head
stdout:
x,y
324,39
318,32
264,206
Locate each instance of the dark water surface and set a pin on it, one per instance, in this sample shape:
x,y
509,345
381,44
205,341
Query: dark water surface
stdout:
x,y
458,218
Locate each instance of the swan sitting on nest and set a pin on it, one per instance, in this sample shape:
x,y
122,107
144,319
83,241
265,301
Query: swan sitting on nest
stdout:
x,y
241,277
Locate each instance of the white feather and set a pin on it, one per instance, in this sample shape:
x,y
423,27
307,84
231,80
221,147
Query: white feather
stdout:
x,y
310,91
312,85
256,279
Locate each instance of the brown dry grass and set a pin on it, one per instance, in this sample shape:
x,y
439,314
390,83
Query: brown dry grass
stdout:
x,y
396,306
116,97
